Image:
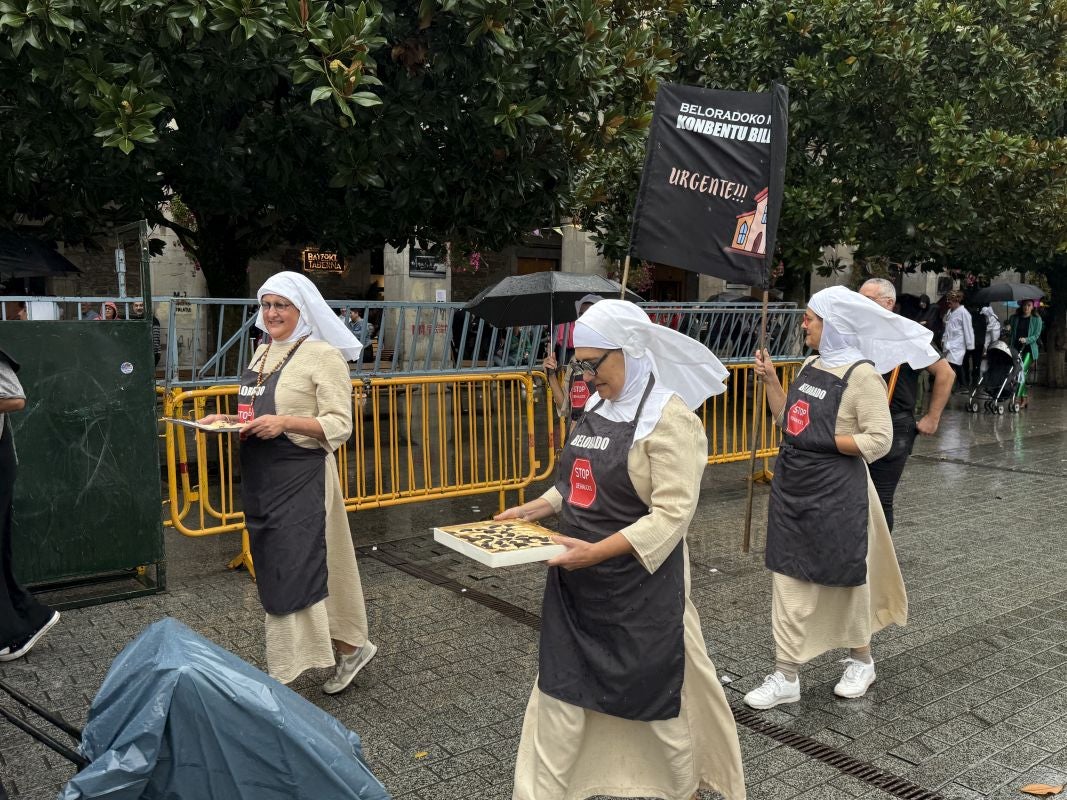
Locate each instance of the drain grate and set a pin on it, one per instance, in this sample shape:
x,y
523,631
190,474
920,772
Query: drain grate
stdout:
x,y
868,773
862,770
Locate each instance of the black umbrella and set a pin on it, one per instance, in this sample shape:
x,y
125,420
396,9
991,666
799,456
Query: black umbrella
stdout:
x,y
22,257
541,298
732,297
1002,292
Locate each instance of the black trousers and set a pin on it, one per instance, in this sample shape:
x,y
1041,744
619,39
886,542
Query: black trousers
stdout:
x,y
961,382
886,471
20,614
972,366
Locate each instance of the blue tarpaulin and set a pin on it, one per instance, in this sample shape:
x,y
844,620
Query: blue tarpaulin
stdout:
x,y
178,717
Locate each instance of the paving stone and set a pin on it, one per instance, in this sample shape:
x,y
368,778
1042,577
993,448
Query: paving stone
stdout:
x,y
808,774
1020,756
918,750
770,789
962,727
986,776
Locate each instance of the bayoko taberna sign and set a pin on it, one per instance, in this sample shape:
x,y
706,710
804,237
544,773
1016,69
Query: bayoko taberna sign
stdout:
x,y
314,260
711,190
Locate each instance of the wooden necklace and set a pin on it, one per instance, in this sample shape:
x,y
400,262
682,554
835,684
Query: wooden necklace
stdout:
x,y
261,377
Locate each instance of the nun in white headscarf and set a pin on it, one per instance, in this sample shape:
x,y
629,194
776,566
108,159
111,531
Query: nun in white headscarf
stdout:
x,y
627,701
295,403
315,319
835,575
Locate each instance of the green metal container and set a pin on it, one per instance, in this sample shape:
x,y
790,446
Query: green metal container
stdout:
x,y
87,497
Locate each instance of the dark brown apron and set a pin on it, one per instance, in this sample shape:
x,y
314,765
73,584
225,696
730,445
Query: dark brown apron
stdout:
x,y
283,488
817,518
612,637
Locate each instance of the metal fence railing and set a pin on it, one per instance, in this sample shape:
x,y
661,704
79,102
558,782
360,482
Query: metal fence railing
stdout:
x,y
210,341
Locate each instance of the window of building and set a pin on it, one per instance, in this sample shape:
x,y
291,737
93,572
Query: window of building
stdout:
x,y
742,233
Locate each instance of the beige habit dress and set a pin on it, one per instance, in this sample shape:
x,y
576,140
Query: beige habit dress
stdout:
x,y
315,383
567,752
809,619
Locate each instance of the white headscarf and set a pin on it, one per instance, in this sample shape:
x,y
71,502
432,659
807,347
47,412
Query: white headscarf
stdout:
x,y
682,366
317,320
855,328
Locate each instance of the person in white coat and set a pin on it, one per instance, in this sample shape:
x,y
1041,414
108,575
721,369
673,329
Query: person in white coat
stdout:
x,y
959,334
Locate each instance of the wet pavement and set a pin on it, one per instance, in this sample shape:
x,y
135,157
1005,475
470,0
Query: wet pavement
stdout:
x,y
970,701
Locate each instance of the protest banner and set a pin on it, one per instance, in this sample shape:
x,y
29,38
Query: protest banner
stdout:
x,y
711,197
711,189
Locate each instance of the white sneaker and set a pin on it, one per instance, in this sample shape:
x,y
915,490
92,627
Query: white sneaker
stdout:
x,y
347,668
857,678
776,689
19,649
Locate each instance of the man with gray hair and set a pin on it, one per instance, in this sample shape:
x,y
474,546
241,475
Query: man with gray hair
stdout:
x,y
886,471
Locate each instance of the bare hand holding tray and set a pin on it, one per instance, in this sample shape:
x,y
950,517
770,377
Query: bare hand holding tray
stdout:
x,y
500,544
218,426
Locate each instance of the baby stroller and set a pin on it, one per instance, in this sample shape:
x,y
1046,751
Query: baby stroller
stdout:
x,y
999,382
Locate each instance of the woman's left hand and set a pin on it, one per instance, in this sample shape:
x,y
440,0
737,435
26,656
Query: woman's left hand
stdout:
x,y
763,367
269,426
580,554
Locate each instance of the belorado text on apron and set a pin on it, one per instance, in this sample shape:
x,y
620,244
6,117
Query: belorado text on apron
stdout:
x,y
817,518
611,634
283,488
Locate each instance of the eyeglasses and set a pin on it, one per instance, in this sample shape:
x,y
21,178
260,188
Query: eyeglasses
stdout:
x,y
279,307
579,365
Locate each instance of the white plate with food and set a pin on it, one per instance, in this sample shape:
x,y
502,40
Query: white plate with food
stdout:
x,y
218,426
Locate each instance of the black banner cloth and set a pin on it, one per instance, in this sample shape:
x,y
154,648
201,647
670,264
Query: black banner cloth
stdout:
x,y
711,190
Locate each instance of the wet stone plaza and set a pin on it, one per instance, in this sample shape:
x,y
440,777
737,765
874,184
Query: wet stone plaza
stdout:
x,y
970,700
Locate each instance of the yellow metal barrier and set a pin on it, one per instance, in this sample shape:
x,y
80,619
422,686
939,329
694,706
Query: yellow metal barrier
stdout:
x,y
728,417
414,439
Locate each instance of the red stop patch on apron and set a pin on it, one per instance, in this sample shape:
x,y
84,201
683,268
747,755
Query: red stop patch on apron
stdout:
x,y
579,394
583,484
797,419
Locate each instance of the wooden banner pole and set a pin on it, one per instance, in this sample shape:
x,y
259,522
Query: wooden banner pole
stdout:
x,y
892,383
758,415
625,276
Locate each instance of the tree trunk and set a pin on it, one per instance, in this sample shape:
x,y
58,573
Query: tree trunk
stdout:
x,y
794,284
223,258
1056,342
1056,324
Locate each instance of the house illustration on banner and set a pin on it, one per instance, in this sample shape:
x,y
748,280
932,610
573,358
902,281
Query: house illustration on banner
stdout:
x,y
750,235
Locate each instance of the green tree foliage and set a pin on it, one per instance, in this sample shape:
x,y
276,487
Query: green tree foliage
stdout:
x,y
299,120
924,132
